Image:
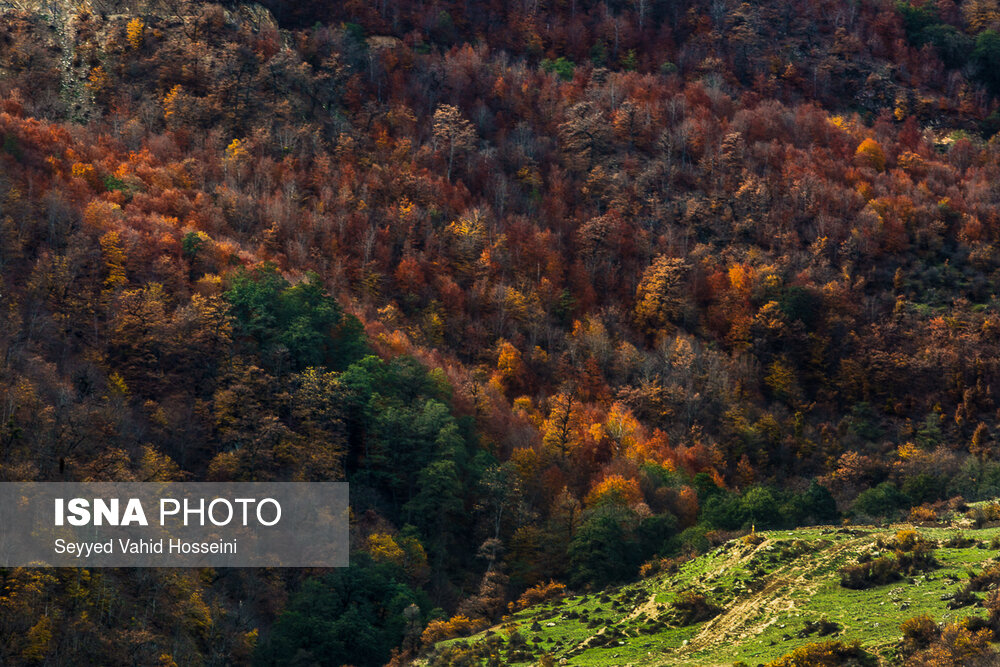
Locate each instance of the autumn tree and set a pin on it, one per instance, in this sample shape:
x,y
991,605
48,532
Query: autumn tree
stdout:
x,y
584,135
660,296
869,153
560,430
318,408
453,134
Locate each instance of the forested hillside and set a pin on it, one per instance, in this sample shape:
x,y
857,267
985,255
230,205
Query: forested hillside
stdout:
x,y
561,287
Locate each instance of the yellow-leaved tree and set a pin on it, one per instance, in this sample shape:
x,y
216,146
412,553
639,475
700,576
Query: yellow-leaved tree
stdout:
x,y
134,32
660,295
616,490
870,154
561,431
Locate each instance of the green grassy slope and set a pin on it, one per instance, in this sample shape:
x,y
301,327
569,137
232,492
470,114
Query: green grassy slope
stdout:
x,y
769,591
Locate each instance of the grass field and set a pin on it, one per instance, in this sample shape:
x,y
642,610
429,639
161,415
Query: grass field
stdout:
x,y
769,591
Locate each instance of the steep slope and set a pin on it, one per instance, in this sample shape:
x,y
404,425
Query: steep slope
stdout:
x,y
634,273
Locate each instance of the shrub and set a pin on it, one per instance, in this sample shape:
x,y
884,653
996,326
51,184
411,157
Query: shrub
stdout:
x,y
958,645
456,626
907,539
959,541
963,598
827,654
990,576
540,593
911,553
718,537
658,565
992,511
962,644
651,567
985,514
820,628
693,608
957,504
922,514
882,570
461,653
918,633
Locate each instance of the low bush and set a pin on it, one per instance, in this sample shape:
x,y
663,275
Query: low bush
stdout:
x,y
693,608
877,572
963,598
919,632
959,541
963,644
821,628
456,626
923,514
827,654
658,565
910,553
986,580
985,514
541,593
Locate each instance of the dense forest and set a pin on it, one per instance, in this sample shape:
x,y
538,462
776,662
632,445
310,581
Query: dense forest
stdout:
x,y
567,290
